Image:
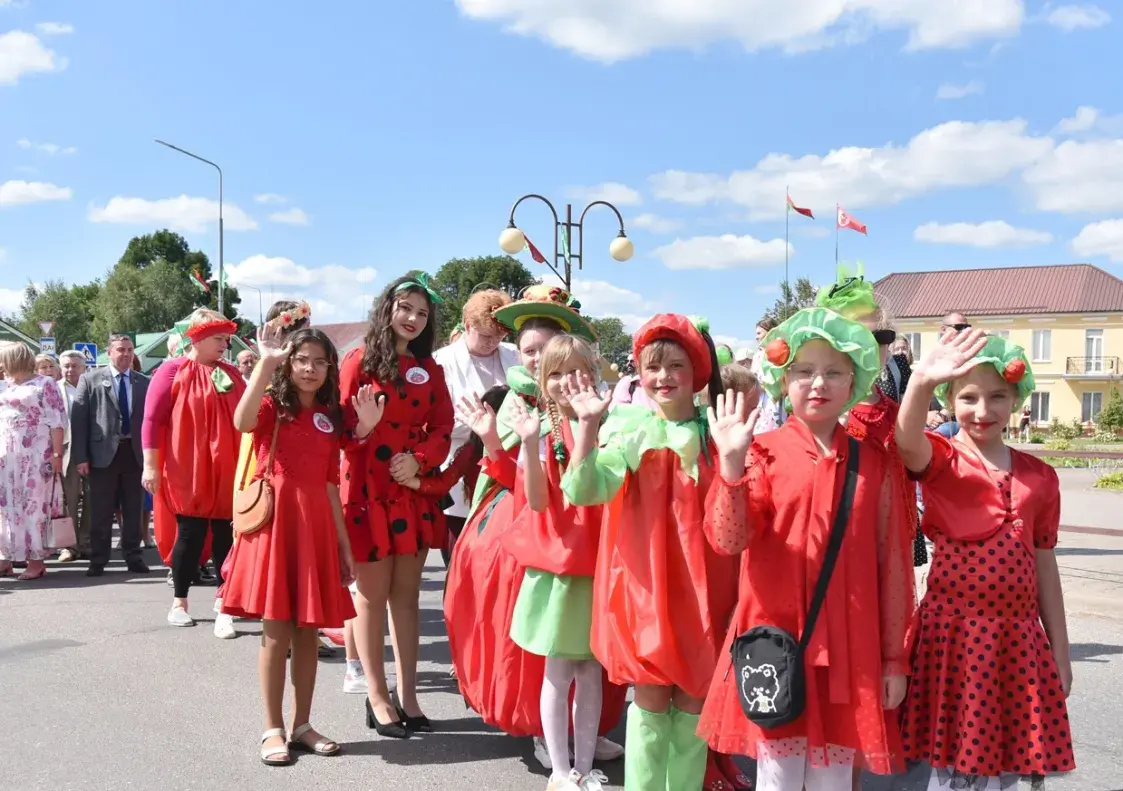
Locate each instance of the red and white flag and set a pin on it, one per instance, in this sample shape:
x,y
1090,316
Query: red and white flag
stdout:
x,y
799,209
847,221
535,253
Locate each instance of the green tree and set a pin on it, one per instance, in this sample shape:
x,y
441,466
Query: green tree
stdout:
x,y
613,342
792,300
456,280
1111,415
144,251
71,309
150,299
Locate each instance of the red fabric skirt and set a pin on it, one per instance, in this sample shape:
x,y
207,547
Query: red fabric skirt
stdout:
x,y
290,570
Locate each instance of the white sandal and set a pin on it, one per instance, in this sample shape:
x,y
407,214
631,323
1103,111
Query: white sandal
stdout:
x,y
279,754
323,746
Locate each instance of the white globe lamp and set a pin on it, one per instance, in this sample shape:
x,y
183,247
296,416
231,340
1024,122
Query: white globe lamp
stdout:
x,y
621,248
512,241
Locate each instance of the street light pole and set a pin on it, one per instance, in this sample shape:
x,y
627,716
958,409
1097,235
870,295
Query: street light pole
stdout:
x,y
221,266
513,240
260,310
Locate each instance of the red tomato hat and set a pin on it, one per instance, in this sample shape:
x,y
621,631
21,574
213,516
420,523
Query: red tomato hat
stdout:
x,y
677,328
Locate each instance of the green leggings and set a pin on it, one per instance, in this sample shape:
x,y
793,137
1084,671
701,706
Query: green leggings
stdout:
x,y
663,751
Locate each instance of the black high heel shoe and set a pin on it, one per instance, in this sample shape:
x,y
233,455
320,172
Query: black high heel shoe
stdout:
x,y
391,730
419,724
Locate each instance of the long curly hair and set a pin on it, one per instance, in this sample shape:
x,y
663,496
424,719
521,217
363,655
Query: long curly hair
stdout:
x,y
380,355
283,391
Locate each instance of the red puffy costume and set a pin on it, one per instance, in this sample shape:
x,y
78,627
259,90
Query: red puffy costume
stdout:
x,y
290,570
782,521
384,518
191,423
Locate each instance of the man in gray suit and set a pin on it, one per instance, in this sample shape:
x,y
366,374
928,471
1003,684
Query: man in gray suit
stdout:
x,y
105,445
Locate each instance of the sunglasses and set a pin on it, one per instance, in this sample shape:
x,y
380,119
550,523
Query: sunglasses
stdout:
x,y
884,337
957,327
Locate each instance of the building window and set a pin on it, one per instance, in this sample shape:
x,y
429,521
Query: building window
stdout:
x,y
1042,346
1004,334
1093,351
1090,406
914,343
1039,407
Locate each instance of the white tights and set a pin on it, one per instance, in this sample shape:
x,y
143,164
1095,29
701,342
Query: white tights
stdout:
x,y
560,674
796,773
942,781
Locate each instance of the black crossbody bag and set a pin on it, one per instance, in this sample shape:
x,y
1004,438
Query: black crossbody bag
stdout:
x,y
767,660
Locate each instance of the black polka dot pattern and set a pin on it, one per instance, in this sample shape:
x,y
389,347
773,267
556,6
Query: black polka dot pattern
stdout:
x,y
985,696
383,453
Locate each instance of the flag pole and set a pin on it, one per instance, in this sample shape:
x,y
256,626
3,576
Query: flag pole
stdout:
x,y
787,218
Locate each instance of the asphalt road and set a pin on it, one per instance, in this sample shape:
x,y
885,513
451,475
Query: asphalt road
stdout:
x,y
99,693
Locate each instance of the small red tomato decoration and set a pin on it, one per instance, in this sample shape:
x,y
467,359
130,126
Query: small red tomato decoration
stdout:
x,y
1015,370
778,352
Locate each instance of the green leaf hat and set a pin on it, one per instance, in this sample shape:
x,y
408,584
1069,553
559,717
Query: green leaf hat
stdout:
x,y
850,295
1009,360
849,337
546,302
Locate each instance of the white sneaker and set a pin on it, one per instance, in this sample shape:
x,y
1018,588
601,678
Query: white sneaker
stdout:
x,y
177,616
596,780
542,754
607,750
355,683
224,627
570,782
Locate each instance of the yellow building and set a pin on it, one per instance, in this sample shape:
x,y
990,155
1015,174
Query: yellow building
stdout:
x,y
1069,319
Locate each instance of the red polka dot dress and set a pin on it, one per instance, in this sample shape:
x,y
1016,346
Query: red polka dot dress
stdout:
x,y
384,518
985,697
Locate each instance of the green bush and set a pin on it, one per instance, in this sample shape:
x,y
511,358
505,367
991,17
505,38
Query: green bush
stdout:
x,y
1112,480
1060,443
1102,437
1060,430
1036,438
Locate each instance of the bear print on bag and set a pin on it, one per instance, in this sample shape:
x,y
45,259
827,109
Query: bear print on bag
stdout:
x,y
760,688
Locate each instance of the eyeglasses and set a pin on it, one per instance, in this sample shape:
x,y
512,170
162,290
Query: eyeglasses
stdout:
x,y
884,337
956,327
318,364
805,374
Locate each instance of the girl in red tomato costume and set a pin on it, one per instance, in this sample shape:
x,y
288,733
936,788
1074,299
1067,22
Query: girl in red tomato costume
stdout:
x,y
191,453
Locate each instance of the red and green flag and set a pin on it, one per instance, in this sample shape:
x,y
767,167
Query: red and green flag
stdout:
x,y
799,209
201,284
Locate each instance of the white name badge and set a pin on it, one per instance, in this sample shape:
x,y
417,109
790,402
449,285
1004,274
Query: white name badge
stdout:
x,y
417,376
323,423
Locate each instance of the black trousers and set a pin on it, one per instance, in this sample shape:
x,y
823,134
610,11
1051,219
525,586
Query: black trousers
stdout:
x,y
455,525
190,537
117,484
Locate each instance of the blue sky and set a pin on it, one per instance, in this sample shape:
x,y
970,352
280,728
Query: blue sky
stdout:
x,y
362,141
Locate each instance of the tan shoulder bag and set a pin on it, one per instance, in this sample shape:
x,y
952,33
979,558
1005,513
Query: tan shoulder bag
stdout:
x,y
253,507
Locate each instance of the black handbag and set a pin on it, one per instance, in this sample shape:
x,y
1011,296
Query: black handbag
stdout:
x,y
768,661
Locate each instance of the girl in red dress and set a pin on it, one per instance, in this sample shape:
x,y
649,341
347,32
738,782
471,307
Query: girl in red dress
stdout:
x,y
191,453
662,596
991,626
392,528
292,574
779,514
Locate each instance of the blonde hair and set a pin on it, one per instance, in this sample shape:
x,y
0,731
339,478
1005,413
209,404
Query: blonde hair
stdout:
x,y
43,357
479,307
738,378
16,358
559,349
204,316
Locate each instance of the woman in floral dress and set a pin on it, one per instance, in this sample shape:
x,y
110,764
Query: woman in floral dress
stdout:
x,y
32,417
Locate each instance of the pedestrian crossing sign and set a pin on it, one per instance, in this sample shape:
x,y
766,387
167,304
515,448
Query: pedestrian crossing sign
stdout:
x,y
89,352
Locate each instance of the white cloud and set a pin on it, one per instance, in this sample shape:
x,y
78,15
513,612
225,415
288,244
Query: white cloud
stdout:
x,y
767,289
22,53
953,154
734,343
54,29
293,216
1100,238
599,298
653,223
335,293
10,301
183,213
1084,119
15,193
950,91
1076,17
611,191
615,30
46,148
987,235
720,252
270,198
1077,177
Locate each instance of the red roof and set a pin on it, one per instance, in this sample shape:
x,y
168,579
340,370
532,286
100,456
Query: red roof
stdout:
x,y
1068,288
345,336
